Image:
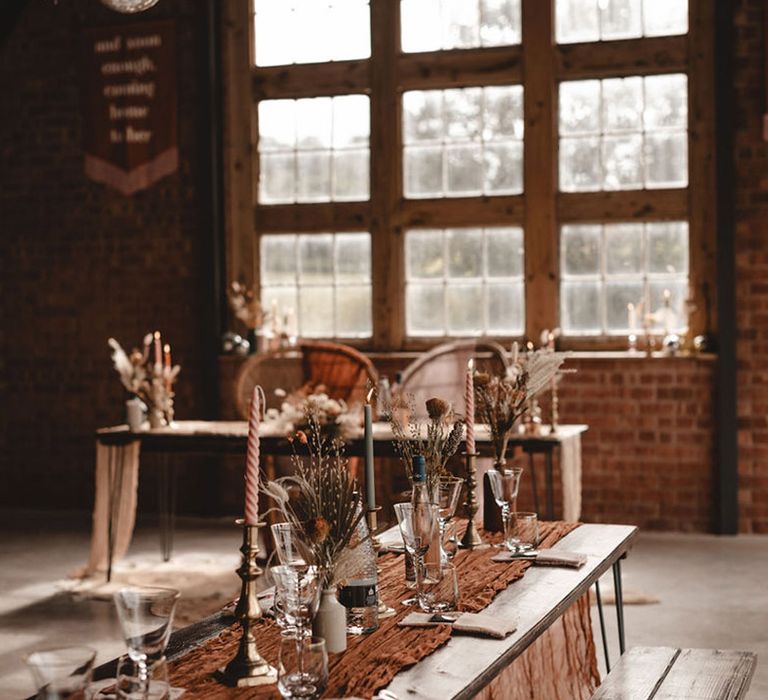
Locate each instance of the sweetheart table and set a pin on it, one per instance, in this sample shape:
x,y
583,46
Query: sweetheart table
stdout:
x,y
118,453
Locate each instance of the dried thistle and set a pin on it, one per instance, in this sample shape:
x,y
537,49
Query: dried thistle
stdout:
x,y
320,500
444,432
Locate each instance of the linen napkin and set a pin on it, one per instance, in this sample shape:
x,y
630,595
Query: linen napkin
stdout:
x,y
547,557
483,623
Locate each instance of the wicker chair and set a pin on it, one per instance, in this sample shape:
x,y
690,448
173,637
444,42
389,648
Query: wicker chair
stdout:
x,y
441,371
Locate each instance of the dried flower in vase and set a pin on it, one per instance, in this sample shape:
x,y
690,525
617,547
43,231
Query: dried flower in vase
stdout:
x,y
245,305
444,432
320,500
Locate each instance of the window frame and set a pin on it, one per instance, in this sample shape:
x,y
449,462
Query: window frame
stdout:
x,y
539,65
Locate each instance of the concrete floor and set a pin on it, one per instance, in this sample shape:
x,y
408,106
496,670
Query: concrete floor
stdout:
x,y
712,590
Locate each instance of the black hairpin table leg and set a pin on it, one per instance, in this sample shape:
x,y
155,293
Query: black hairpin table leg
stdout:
x,y
601,617
618,592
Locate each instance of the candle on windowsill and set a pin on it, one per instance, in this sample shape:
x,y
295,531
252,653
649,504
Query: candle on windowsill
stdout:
x,y
252,462
158,353
167,365
370,484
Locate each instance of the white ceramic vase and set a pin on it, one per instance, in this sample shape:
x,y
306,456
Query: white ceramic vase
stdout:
x,y
331,621
134,414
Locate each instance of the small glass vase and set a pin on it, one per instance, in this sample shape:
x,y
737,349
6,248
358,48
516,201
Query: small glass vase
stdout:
x,y
331,621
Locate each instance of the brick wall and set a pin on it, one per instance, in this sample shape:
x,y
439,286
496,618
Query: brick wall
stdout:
x,y
81,262
751,166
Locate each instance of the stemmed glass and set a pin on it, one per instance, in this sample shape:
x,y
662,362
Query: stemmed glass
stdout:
x,y
417,524
63,673
297,595
146,617
505,484
447,496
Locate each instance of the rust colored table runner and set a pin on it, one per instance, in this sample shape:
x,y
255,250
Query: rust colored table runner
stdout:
x,y
370,661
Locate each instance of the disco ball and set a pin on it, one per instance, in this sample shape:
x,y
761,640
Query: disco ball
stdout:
x,y
129,7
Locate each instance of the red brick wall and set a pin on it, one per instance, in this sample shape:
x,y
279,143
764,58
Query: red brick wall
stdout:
x,y
751,167
81,262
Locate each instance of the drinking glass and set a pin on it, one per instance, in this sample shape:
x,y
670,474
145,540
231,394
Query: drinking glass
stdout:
x,y
302,670
297,593
525,530
417,524
505,484
291,548
146,618
447,496
63,673
440,588
130,684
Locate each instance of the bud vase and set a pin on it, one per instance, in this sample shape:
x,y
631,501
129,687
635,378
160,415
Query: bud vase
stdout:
x,y
134,414
330,622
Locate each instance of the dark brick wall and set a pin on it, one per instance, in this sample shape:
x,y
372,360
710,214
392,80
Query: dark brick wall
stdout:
x,y
81,262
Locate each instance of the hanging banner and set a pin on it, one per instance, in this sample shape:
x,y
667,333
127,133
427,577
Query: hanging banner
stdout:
x,y
129,100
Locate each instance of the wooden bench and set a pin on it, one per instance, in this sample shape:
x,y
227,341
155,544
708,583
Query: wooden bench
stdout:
x,y
664,673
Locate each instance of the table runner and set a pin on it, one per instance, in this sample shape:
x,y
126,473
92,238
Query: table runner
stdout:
x,y
371,661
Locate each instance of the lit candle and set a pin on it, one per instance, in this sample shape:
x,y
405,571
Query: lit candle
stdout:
x,y
370,484
469,406
631,317
167,365
252,463
158,356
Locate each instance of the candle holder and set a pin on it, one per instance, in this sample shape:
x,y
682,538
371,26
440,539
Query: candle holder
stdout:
x,y
248,668
471,538
371,516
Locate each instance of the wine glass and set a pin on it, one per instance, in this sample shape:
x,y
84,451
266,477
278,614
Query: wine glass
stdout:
x,y
447,495
302,670
417,524
63,673
505,484
146,618
297,594
291,549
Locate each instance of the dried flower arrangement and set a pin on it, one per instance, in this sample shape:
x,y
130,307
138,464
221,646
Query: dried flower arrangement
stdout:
x,y
321,500
245,305
502,400
444,431
335,418
150,381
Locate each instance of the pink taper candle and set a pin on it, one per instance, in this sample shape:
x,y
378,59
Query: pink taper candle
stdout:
x,y
469,405
252,462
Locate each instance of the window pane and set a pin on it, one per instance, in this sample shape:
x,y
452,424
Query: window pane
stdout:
x,y
604,268
475,137
623,133
314,149
606,20
287,31
432,25
478,291
326,276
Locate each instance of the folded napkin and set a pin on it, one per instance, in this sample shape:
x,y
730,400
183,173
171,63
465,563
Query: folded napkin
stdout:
x,y
546,557
483,623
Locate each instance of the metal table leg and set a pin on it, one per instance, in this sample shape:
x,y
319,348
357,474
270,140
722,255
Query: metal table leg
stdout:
x,y
166,505
550,494
619,603
599,599
115,464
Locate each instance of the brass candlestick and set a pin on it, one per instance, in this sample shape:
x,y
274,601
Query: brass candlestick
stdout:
x,y
371,516
471,538
248,668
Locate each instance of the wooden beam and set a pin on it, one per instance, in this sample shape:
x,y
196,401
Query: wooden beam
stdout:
x,y
540,168
463,211
326,216
310,79
387,270
634,205
666,54
460,68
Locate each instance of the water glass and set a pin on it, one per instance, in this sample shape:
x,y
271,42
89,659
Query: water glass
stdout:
x,y
63,673
146,618
132,685
297,595
525,531
505,484
291,549
439,588
417,523
302,670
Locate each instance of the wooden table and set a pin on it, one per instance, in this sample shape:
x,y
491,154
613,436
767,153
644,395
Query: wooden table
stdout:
x,y
230,437
467,664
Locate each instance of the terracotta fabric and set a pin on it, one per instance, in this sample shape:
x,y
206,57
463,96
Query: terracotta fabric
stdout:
x,y
371,661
